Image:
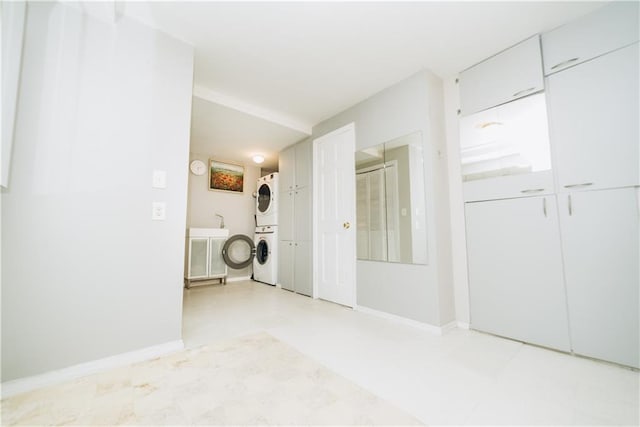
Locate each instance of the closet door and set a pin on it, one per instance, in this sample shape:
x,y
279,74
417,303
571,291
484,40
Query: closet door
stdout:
x,y
600,247
515,270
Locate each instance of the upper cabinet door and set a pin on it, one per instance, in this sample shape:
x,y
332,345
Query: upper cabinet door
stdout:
x,y
303,164
607,29
593,114
509,75
286,168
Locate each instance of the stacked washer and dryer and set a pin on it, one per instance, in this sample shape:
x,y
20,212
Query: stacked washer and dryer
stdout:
x,y
265,262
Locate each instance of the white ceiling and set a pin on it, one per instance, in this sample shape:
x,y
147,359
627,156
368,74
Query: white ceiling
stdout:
x,y
298,63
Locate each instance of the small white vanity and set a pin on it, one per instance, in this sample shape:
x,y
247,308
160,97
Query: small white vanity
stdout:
x,y
203,260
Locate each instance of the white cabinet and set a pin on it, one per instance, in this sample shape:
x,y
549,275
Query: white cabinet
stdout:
x,y
509,75
294,266
600,251
294,166
607,29
294,269
286,168
203,255
593,113
515,270
303,164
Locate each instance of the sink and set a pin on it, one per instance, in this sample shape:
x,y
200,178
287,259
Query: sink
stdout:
x,y
207,232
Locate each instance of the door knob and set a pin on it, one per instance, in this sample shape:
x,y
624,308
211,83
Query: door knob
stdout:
x,y
346,225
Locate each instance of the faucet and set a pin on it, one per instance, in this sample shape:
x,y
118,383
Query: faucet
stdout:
x,y
221,220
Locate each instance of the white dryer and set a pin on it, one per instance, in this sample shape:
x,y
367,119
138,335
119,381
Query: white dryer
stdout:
x,y
265,262
267,200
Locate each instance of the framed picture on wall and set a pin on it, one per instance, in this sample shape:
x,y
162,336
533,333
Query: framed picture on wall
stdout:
x,y
225,176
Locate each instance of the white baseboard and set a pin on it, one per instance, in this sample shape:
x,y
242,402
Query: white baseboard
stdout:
x,y
22,385
238,279
449,326
424,326
462,325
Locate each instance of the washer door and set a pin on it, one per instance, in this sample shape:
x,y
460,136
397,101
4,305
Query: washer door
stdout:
x,y
238,251
262,252
263,202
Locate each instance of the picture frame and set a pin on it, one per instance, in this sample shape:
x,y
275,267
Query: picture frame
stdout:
x,y
225,176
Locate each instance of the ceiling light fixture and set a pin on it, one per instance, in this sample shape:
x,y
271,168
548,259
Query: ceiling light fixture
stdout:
x,y
258,158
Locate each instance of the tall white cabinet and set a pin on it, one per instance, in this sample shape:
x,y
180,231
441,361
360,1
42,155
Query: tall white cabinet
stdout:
x,y
561,270
295,257
600,251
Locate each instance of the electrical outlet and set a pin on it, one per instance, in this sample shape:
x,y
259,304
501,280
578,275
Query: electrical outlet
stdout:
x,y
159,211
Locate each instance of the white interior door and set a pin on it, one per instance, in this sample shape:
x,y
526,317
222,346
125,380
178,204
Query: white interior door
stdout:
x,y
334,186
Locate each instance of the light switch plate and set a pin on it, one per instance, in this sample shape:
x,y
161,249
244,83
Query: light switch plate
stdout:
x,y
159,211
159,179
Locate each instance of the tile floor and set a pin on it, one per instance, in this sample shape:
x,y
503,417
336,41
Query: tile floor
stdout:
x,y
462,377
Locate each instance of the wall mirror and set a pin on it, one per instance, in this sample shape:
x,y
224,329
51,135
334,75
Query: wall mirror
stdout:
x,y
390,202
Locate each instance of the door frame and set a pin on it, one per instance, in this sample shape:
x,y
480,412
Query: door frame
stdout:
x,y
351,127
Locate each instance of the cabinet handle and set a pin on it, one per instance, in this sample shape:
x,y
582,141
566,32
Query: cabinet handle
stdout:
x,y
522,92
532,190
563,63
570,205
584,184
544,206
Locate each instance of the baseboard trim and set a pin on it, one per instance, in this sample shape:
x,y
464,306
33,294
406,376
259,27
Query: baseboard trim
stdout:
x,y
463,325
23,385
438,330
448,327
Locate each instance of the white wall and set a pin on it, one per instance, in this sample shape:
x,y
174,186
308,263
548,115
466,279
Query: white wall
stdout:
x,y
418,292
86,273
238,209
456,204
13,16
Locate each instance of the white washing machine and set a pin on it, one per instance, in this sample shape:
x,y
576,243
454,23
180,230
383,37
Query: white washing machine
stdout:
x,y
267,200
265,262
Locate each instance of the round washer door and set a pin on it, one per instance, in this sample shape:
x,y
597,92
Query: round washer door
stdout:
x,y
238,251
264,198
262,252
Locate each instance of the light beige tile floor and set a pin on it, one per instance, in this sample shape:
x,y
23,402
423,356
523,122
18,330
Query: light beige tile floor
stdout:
x,y
462,377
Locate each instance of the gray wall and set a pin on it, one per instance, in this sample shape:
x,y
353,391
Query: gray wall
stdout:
x,y
419,292
86,273
238,209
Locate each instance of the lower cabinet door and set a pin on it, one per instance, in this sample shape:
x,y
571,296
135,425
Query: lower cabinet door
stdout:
x,y
515,270
217,267
198,258
302,273
600,247
286,259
